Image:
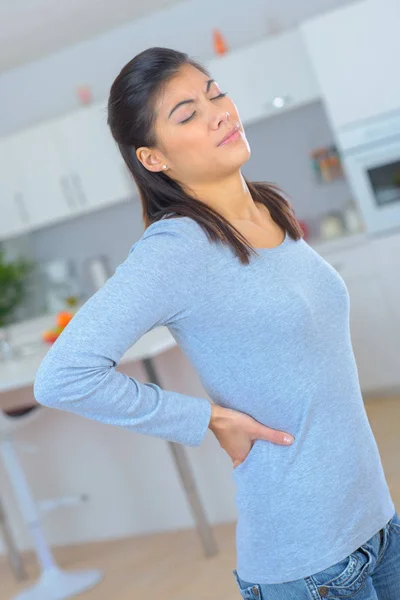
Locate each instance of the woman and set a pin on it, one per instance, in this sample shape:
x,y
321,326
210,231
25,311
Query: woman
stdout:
x,y
265,322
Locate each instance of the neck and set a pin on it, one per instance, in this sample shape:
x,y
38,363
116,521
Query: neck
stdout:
x,y
230,197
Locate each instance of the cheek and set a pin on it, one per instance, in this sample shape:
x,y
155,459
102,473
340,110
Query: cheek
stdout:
x,y
189,142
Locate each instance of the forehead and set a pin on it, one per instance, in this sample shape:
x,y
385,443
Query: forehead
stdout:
x,y
188,83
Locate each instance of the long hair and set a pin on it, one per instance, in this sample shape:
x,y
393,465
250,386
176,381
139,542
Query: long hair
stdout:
x,y
131,120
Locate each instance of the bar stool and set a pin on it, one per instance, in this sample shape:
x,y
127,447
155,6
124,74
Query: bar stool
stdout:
x,y
53,583
13,555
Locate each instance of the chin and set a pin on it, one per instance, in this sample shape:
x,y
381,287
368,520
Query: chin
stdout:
x,y
234,165
241,156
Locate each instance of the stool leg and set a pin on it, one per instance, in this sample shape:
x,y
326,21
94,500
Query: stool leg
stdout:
x,y
193,497
12,552
187,479
26,503
54,584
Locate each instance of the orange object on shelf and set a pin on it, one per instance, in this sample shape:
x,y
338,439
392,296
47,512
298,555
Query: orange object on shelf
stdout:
x,y
220,46
63,318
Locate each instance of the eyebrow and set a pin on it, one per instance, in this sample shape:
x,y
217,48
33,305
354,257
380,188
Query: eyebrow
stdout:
x,y
209,82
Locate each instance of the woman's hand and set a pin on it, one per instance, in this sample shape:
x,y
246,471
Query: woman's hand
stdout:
x,y
236,432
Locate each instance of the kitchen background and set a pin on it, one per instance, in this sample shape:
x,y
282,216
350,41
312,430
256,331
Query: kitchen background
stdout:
x,y
281,152
322,116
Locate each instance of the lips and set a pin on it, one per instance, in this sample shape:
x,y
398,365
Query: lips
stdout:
x,y
228,135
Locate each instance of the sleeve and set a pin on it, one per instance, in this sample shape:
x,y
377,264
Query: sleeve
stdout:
x,y
155,285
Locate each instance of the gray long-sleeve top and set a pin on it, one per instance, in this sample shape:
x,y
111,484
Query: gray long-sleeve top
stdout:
x,y
270,339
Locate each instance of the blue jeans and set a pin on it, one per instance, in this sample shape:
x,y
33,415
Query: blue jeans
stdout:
x,y
372,572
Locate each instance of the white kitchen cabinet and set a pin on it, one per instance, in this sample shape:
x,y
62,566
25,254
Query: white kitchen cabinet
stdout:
x,y
375,335
268,77
387,256
47,194
355,53
60,169
14,218
94,165
375,344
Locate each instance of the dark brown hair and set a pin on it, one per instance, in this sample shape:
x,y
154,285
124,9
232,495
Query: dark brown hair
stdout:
x,y
131,120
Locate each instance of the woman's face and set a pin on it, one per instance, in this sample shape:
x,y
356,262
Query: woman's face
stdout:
x,y
192,118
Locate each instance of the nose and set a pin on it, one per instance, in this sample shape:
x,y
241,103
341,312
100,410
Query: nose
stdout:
x,y
220,117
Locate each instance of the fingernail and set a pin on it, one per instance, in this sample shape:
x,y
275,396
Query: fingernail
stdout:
x,y
288,439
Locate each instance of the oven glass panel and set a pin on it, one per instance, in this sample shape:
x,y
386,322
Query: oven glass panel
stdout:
x,y
385,182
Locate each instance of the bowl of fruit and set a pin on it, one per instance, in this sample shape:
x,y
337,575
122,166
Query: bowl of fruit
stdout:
x,y
62,319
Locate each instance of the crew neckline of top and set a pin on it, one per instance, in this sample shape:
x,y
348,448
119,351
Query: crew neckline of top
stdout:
x,y
277,248
265,250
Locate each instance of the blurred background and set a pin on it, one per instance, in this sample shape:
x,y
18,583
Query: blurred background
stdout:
x,y
317,88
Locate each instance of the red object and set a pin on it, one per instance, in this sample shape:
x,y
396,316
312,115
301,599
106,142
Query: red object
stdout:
x,y
50,337
305,228
84,94
220,46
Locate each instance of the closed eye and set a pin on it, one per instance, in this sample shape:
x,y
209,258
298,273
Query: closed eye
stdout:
x,y
188,119
221,95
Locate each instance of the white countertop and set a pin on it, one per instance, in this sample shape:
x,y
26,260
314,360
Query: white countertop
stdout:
x,y
340,243
350,240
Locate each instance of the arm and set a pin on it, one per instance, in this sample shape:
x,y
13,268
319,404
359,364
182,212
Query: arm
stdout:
x,y
155,285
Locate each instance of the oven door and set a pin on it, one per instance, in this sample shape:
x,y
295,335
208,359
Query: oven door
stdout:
x,y
374,175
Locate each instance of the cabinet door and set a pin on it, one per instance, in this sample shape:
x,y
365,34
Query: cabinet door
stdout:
x,y
282,76
387,253
95,167
46,192
375,342
268,77
355,51
14,218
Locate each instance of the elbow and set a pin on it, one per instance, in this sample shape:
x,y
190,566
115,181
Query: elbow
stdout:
x,y
44,390
49,387
68,387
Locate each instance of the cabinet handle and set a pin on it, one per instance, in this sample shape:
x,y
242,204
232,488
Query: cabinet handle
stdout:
x,y
77,183
23,212
68,195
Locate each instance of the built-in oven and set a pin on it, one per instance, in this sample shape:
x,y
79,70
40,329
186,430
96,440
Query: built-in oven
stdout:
x,y
371,157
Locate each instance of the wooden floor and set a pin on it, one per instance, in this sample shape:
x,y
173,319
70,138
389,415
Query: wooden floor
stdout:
x,y
171,566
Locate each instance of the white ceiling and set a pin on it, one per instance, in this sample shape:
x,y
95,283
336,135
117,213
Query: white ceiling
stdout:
x,y
30,29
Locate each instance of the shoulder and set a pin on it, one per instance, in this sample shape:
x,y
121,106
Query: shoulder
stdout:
x,y
171,251
179,236
184,227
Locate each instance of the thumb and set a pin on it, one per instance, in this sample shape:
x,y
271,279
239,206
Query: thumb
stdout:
x,y
275,435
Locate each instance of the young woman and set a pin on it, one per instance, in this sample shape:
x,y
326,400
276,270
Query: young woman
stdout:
x,y
264,320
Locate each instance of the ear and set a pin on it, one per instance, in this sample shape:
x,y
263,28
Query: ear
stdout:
x,y
150,159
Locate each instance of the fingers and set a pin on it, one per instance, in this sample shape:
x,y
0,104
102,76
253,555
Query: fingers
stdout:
x,y
277,437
